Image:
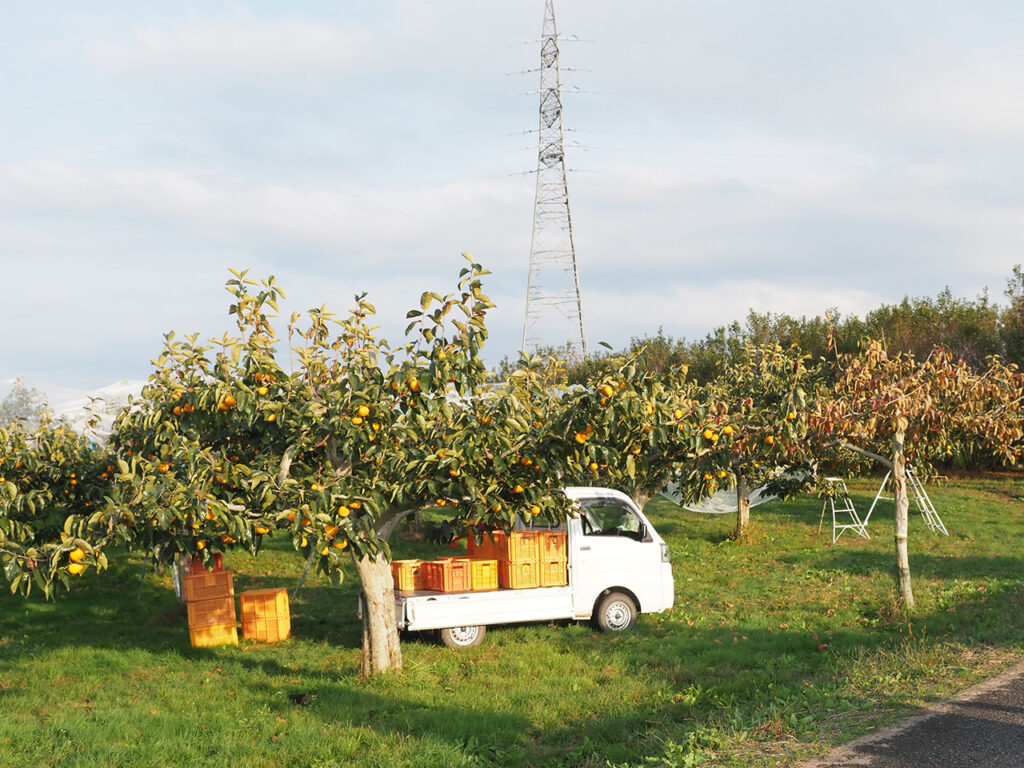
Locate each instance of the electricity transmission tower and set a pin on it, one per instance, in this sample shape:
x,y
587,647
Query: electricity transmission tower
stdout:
x,y
554,304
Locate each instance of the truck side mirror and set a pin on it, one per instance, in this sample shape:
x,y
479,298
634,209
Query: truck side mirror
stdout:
x,y
641,533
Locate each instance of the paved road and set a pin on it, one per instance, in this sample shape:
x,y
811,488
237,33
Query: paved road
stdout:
x,y
983,727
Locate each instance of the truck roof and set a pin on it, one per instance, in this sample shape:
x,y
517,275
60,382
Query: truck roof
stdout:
x,y
578,492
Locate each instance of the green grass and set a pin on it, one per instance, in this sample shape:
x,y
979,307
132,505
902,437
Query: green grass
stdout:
x,y
775,650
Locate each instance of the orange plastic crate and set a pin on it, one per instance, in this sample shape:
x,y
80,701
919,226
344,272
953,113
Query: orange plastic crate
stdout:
x,y
551,545
265,614
484,574
519,545
203,586
408,575
553,573
449,574
486,547
218,634
518,574
209,613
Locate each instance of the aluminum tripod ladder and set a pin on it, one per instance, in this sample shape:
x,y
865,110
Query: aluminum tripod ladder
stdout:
x,y
835,491
924,503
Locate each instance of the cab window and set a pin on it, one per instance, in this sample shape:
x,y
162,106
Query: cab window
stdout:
x,y
610,518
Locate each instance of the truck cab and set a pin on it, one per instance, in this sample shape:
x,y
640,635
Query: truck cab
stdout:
x,y
618,566
614,548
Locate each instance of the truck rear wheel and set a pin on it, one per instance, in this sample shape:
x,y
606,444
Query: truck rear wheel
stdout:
x,y
463,637
615,612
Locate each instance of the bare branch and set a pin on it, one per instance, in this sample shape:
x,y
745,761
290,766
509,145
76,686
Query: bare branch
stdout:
x,y
864,452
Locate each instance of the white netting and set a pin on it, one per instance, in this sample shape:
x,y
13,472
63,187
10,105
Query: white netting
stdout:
x,y
722,503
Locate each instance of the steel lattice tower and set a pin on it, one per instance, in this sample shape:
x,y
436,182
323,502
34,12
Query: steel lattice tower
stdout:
x,y
554,304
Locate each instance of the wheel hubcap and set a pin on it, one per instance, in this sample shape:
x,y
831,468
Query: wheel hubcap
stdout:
x,y
617,615
464,635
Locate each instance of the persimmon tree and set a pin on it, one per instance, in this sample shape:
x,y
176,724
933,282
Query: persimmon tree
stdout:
x,y
628,428
895,409
51,480
229,447
756,428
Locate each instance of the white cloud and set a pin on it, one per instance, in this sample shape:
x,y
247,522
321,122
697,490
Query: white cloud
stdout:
x,y
239,44
229,210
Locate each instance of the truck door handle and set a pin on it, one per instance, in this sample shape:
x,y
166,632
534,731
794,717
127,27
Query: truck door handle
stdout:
x,y
584,549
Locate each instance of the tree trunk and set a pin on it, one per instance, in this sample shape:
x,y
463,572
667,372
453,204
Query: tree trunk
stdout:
x,y
742,506
640,497
381,650
900,525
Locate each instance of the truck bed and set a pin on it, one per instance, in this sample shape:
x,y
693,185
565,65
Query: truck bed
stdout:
x,y
426,609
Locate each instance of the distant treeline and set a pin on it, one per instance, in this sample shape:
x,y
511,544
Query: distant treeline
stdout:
x,y
974,329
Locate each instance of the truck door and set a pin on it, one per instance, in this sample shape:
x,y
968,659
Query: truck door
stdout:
x,y
614,547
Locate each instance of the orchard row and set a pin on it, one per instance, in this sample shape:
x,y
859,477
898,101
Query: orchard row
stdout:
x,y
226,446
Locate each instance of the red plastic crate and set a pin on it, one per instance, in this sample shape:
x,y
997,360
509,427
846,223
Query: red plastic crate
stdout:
x,y
204,586
208,613
408,575
265,614
518,574
449,574
554,573
218,634
484,575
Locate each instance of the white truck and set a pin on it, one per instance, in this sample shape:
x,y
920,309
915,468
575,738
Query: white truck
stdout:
x,y
618,566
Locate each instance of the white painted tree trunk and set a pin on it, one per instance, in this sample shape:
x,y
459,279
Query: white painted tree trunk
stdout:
x,y
381,649
901,520
742,506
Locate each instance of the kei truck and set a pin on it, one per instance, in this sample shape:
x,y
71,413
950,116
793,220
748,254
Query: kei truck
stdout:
x,y
606,564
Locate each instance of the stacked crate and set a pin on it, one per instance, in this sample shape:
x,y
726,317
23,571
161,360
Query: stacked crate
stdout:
x,y
518,560
210,597
554,558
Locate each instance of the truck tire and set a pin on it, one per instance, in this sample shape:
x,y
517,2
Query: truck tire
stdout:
x,y
463,637
615,612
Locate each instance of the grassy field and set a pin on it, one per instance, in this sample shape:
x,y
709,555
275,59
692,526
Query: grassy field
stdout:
x,y
775,650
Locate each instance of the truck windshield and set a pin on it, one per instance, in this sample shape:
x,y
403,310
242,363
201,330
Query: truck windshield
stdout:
x,y
609,518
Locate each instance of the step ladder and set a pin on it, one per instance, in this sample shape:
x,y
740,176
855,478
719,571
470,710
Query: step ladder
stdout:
x,y
837,498
915,489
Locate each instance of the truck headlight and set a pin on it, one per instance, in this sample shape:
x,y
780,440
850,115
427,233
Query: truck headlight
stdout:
x,y
664,552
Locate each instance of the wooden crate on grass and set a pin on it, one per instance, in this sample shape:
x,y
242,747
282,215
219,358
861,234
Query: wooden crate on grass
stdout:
x,y
266,617
203,585
211,612
217,634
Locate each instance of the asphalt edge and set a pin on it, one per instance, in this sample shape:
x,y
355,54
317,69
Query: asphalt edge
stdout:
x,y
848,752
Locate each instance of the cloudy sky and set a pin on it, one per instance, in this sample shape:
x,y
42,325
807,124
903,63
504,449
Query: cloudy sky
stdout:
x,y
787,156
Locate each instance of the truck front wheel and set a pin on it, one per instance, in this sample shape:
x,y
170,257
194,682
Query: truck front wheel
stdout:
x,y
615,612
463,637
